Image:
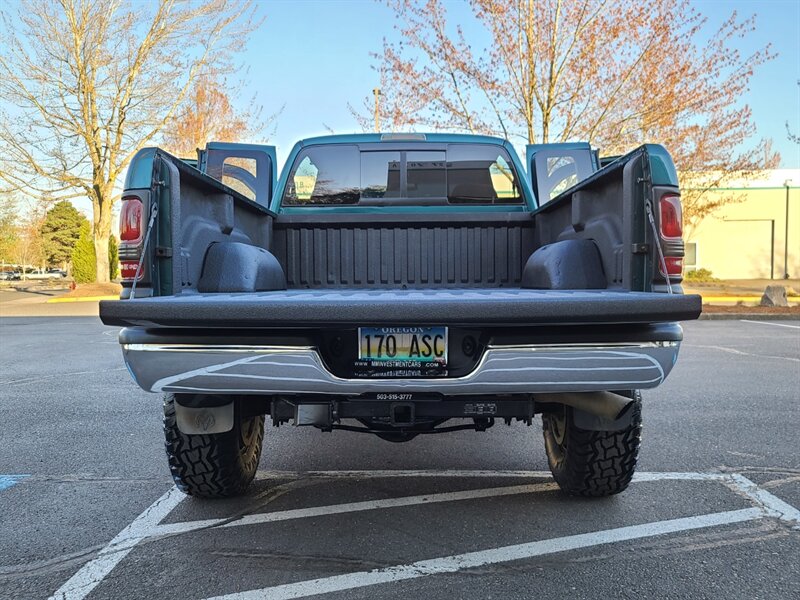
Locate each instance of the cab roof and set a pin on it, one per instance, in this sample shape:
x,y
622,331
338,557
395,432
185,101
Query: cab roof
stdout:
x,y
363,138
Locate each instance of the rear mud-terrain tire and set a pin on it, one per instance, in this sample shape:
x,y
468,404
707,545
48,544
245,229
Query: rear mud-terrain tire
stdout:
x,y
216,465
592,463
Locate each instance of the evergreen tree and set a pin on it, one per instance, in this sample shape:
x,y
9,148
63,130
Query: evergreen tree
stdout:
x,y
60,231
113,257
83,257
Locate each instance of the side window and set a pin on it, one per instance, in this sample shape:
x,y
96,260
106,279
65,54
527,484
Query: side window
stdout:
x,y
241,175
554,168
245,168
562,173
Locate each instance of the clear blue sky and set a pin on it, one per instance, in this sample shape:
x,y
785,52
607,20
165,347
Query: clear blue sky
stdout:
x,y
313,57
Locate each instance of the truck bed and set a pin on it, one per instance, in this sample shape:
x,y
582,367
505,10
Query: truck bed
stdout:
x,y
354,307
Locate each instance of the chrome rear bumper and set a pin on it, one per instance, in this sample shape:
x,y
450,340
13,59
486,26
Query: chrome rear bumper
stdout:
x,y
299,370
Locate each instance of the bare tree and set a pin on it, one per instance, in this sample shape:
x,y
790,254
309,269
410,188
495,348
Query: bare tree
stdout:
x,y
790,135
29,247
617,74
9,233
208,115
85,84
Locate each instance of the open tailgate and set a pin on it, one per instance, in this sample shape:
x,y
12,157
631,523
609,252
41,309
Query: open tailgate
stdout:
x,y
329,308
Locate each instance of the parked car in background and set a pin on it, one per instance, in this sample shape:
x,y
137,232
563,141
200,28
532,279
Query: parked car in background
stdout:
x,y
9,275
40,274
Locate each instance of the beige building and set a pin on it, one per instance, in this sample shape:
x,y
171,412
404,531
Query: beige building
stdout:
x,y
746,239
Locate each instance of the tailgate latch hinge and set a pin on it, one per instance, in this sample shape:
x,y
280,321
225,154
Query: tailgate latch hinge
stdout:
x,y
640,248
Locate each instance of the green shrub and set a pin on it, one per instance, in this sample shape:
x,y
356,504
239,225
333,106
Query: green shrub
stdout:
x,y
84,263
699,275
113,258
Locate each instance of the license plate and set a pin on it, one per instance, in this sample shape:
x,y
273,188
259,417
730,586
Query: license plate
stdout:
x,y
404,345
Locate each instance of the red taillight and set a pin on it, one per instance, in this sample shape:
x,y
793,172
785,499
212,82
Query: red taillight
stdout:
x,y
671,218
128,270
130,221
674,266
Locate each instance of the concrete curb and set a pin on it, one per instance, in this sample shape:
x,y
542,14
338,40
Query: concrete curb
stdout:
x,y
85,299
749,316
756,299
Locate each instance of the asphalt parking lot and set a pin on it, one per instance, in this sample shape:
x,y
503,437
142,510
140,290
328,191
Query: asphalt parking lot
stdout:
x,y
87,508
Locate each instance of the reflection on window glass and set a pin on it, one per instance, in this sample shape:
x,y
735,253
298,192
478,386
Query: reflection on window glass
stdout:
x,y
324,175
426,175
562,173
505,187
380,174
305,176
690,254
477,174
240,174
461,174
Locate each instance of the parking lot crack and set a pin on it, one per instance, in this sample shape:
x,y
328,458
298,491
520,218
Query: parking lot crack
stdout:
x,y
89,478
38,568
312,562
771,505
773,483
765,470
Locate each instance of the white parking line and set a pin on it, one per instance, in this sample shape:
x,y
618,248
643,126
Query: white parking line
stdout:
x,y
774,506
147,525
92,573
336,509
770,323
678,476
470,560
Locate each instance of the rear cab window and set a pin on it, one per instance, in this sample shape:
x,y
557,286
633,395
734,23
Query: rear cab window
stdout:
x,y
372,175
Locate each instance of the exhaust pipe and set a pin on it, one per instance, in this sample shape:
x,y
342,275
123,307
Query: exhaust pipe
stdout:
x,y
606,405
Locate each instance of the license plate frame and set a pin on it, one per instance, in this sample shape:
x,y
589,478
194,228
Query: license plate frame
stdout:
x,y
403,347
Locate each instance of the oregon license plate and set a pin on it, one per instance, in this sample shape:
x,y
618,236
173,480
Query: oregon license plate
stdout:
x,y
403,345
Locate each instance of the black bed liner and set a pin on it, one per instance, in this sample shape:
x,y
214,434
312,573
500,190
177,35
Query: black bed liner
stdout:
x,y
329,308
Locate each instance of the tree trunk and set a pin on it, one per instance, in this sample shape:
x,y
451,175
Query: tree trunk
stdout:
x,y
102,206
102,231
101,253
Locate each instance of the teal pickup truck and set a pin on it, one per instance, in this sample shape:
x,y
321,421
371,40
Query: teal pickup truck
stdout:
x,y
388,284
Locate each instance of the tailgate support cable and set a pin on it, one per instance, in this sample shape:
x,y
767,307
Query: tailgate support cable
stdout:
x,y
657,243
153,214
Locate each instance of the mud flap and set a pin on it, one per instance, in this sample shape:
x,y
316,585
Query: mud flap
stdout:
x,y
589,422
204,420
